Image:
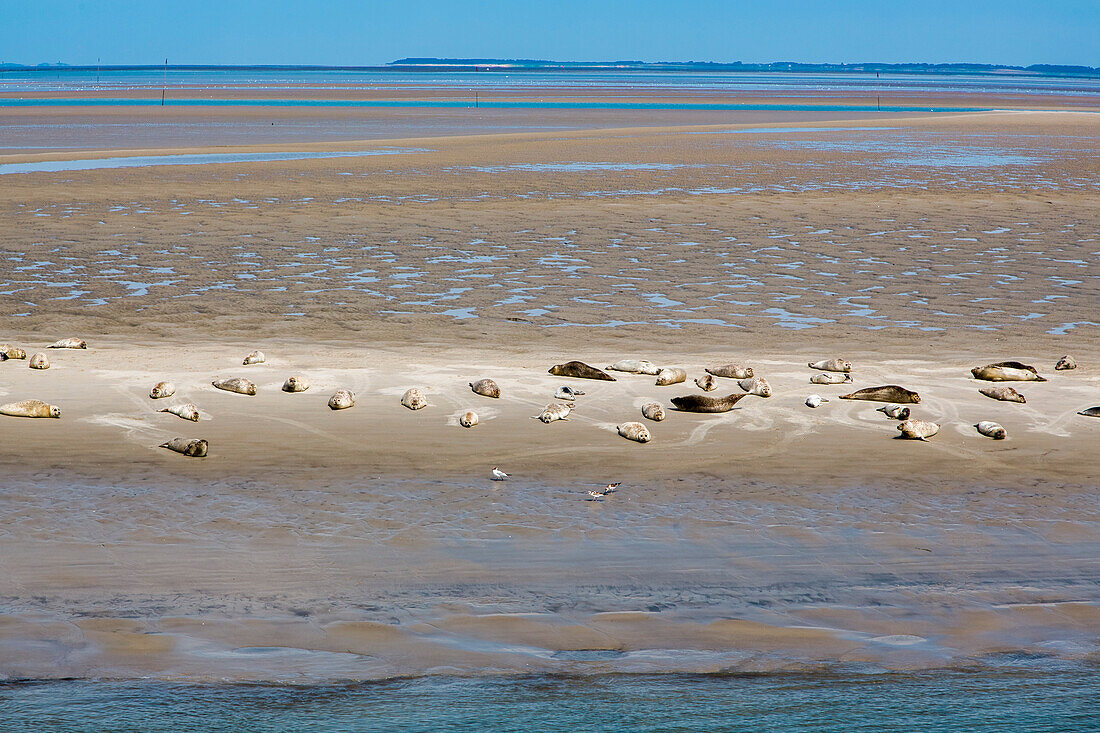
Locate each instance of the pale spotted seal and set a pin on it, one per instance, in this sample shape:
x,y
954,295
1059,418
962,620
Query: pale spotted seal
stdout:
x,y
990,429
895,411
815,400
757,386
161,390
555,411
69,344
39,361
634,431
190,447
7,351
567,393
256,357
705,403
732,371
885,393
826,378
1004,394
468,419
670,375
635,366
1065,363
653,411
30,408
187,411
707,383
580,370
414,399
341,399
918,429
1007,371
240,385
296,384
831,365
485,388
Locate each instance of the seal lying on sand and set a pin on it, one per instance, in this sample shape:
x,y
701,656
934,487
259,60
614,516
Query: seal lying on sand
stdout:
x,y
895,411
918,429
707,383
733,371
187,411
296,384
69,344
824,378
341,399
885,393
1065,363
815,400
554,411
1087,412
414,399
39,361
705,403
669,376
30,408
7,351
653,411
1007,371
580,370
468,420
162,389
831,365
990,429
190,447
240,385
634,431
757,386
567,393
256,357
485,388
1004,394
635,366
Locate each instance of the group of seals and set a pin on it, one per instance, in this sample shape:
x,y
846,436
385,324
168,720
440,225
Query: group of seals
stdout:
x,y
1007,371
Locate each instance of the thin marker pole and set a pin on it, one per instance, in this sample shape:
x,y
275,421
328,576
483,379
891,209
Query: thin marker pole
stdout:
x,y
165,84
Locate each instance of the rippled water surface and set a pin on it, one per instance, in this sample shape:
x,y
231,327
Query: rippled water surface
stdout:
x,y
1010,702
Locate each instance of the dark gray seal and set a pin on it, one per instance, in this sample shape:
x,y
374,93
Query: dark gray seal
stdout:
x,y
706,403
885,393
580,370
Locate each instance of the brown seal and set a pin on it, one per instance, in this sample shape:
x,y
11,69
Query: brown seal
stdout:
x,y
580,370
885,393
706,403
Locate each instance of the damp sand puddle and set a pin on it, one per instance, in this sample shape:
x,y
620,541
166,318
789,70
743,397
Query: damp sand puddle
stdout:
x,y
382,579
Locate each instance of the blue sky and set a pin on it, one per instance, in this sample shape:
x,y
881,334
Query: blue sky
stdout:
x,y
1019,32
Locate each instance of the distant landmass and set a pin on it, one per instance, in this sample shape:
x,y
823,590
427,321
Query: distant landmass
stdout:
x,y
777,66
445,64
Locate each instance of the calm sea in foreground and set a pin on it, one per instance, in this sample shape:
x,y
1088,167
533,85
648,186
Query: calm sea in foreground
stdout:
x,y
1009,702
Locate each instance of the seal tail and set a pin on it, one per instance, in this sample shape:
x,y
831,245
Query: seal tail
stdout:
x,y
163,445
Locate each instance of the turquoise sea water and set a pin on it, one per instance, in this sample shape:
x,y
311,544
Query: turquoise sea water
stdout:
x,y
461,103
1009,702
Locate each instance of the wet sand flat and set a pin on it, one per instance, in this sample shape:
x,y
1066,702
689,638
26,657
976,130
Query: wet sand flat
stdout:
x,y
369,542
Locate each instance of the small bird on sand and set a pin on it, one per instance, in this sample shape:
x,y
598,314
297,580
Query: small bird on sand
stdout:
x,y
599,494
498,475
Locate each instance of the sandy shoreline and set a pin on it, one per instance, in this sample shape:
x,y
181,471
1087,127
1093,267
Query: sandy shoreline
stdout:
x,y
369,543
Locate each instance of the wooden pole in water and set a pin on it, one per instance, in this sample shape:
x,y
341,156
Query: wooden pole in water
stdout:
x,y
165,84
476,101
